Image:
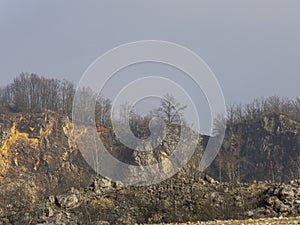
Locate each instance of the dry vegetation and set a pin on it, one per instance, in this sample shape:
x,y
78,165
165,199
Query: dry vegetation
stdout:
x,y
270,221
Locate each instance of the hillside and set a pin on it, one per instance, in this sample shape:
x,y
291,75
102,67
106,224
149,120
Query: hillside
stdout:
x,y
264,149
45,180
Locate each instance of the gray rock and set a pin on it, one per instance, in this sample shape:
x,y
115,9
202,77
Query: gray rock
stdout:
x,y
280,207
49,212
67,200
250,214
238,201
119,184
105,183
210,180
101,223
51,199
271,200
286,193
297,192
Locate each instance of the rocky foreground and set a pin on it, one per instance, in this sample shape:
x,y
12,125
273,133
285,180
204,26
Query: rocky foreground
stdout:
x,y
180,201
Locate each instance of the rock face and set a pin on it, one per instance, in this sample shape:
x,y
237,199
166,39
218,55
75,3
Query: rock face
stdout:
x,y
264,149
163,151
37,159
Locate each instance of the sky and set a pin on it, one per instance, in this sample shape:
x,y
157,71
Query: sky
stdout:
x,y
252,46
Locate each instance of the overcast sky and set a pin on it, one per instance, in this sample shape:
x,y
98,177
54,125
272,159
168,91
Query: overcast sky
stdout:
x,y
252,46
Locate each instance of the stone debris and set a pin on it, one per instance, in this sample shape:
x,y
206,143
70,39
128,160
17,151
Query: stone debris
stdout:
x,y
67,200
283,199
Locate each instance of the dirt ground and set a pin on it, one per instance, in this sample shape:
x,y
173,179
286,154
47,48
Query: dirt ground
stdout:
x,y
270,221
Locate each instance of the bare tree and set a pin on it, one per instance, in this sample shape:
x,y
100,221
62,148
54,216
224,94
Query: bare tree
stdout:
x,y
103,110
171,110
30,92
67,91
84,106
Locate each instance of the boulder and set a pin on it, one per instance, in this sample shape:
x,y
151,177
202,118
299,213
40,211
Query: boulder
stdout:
x,y
67,200
286,193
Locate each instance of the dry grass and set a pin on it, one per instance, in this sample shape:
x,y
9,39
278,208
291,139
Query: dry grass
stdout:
x,y
269,221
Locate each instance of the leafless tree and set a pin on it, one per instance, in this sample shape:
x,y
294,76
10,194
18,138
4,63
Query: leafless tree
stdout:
x,y
171,110
67,91
103,110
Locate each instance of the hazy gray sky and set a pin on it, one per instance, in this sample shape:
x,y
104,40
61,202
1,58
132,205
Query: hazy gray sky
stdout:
x,y
252,46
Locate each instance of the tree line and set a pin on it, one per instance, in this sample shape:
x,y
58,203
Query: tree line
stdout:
x,y
238,113
34,93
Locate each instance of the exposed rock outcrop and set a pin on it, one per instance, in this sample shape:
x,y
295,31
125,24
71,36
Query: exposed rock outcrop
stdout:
x,y
45,180
37,160
264,149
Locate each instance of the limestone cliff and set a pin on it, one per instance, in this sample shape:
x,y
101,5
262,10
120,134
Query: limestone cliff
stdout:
x,y
264,149
37,159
